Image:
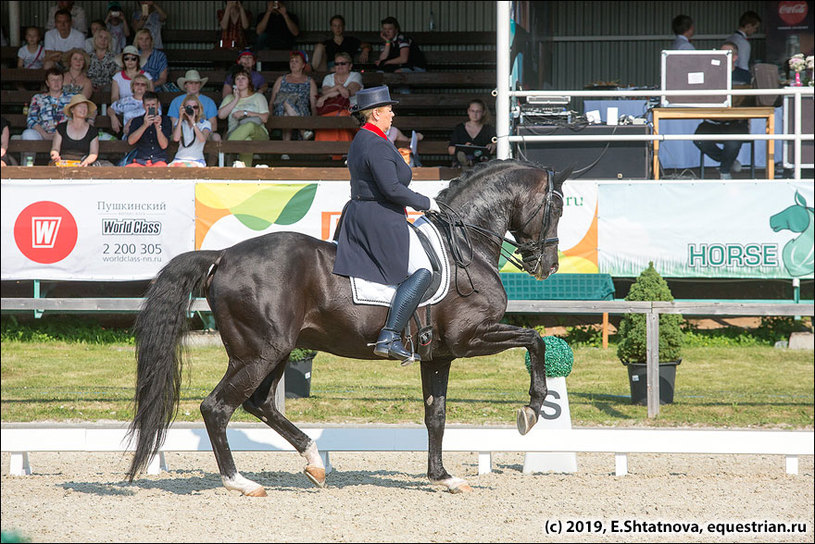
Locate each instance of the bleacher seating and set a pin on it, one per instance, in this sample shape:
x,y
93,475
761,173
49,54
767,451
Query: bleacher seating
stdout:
x,y
461,66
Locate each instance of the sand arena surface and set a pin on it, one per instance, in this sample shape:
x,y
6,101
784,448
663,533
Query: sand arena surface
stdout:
x,y
385,497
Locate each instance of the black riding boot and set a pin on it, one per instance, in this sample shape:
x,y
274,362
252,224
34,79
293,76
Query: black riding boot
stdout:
x,y
408,296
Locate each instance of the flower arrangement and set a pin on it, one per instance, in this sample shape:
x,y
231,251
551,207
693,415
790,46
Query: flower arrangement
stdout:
x,y
798,63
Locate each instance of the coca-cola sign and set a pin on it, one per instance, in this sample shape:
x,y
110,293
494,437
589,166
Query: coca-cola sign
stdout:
x,y
792,12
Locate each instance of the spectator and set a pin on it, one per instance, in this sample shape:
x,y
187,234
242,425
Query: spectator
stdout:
x,y
117,26
150,134
247,113
75,79
129,107
739,76
61,39
78,19
153,61
31,55
192,83
191,130
103,62
246,62
234,21
337,97
729,150
396,136
277,28
131,63
46,110
150,17
748,25
96,26
324,52
476,131
4,138
76,140
682,26
399,52
295,94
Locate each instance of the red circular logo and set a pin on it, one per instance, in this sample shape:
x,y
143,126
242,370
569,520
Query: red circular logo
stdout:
x,y
45,232
792,12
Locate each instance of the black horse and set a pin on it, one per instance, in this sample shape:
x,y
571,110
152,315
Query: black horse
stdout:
x,y
276,292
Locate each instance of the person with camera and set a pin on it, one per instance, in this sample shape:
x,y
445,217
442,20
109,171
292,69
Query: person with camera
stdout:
x,y
117,26
277,27
150,134
150,17
234,22
190,131
192,83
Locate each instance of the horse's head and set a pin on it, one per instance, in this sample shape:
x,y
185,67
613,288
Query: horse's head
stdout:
x,y
534,223
795,218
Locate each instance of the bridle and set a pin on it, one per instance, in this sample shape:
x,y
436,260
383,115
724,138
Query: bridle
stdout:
x,y
452,222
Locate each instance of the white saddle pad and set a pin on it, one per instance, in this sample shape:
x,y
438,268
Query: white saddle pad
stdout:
x,y
379,294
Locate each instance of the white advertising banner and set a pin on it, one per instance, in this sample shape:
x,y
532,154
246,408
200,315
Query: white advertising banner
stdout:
x,y
94,230
733,229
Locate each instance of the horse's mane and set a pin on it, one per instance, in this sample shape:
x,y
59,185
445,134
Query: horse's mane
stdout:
x,y
481,171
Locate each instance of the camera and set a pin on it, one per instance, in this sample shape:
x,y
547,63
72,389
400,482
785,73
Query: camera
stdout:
x,y
189,110
116,13
151,110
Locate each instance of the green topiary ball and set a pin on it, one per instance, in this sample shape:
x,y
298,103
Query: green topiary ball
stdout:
x,y
559,358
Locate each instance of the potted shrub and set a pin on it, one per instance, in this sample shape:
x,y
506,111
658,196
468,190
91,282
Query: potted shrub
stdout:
x,y
631,350
298,373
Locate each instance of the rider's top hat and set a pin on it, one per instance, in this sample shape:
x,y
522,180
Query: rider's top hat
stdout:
x,y
373,98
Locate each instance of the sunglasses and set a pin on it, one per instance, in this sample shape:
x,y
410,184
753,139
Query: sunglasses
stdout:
x,y
341,63
130,58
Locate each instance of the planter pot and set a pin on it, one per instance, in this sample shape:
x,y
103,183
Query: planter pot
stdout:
x,y
638,381
298,378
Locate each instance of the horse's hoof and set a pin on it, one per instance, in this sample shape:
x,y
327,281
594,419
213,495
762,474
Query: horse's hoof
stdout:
x,y
526,419
315,474
463,488
454,485
257,492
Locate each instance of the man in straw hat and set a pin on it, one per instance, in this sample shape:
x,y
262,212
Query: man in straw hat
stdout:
x,y
192,82
374,241
76,140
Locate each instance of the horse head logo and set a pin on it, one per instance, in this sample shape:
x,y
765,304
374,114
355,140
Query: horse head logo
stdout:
x,y
798,252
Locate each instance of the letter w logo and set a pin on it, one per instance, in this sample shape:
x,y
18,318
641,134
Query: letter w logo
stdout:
x,y
44,231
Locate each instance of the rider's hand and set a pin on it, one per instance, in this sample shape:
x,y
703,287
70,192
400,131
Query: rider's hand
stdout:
x,y
434,206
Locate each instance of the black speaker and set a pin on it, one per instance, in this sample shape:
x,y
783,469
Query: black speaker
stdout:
x,y
620,160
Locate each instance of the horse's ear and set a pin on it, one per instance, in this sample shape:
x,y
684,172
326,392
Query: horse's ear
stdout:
x,y
561,177
800,200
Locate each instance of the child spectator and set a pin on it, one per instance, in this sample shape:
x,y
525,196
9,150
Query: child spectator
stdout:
x,y
78,18
234,21
117,26
150,17
191,131
246,62
61,39
96,26
31,55
150,134
76,140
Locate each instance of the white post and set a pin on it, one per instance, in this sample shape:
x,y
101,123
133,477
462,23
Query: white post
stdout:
x,y
620,464
14,23
652,361
484,462
792,464
797,142
502,78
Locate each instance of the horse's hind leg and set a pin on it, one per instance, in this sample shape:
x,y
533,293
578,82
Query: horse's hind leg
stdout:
x,y
435,376
217,409
261,404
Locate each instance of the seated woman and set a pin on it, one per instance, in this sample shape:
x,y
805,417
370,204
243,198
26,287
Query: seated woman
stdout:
x,y
337,97
247,112
295,94
76,80
476,132
103,62
76,139
130,106
131,63
325,52
190,131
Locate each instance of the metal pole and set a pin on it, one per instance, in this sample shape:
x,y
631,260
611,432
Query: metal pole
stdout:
x,y
797,144
14,23
652,361
502,46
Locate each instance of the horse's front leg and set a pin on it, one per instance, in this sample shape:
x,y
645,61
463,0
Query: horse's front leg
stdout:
x,y
499,337
435,375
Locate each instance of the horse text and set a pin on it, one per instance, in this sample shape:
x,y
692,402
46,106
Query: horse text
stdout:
x,y
724,254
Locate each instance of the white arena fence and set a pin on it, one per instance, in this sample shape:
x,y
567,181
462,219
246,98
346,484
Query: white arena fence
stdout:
x,y
20,439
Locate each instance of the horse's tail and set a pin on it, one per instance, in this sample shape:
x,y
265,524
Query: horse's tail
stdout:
x,y
159,352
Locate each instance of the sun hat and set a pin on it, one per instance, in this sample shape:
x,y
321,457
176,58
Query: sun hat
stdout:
x,y
129,50
66,57
75,101
373,97
191,75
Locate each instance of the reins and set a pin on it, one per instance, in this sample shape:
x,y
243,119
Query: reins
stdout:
x,y
452,223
